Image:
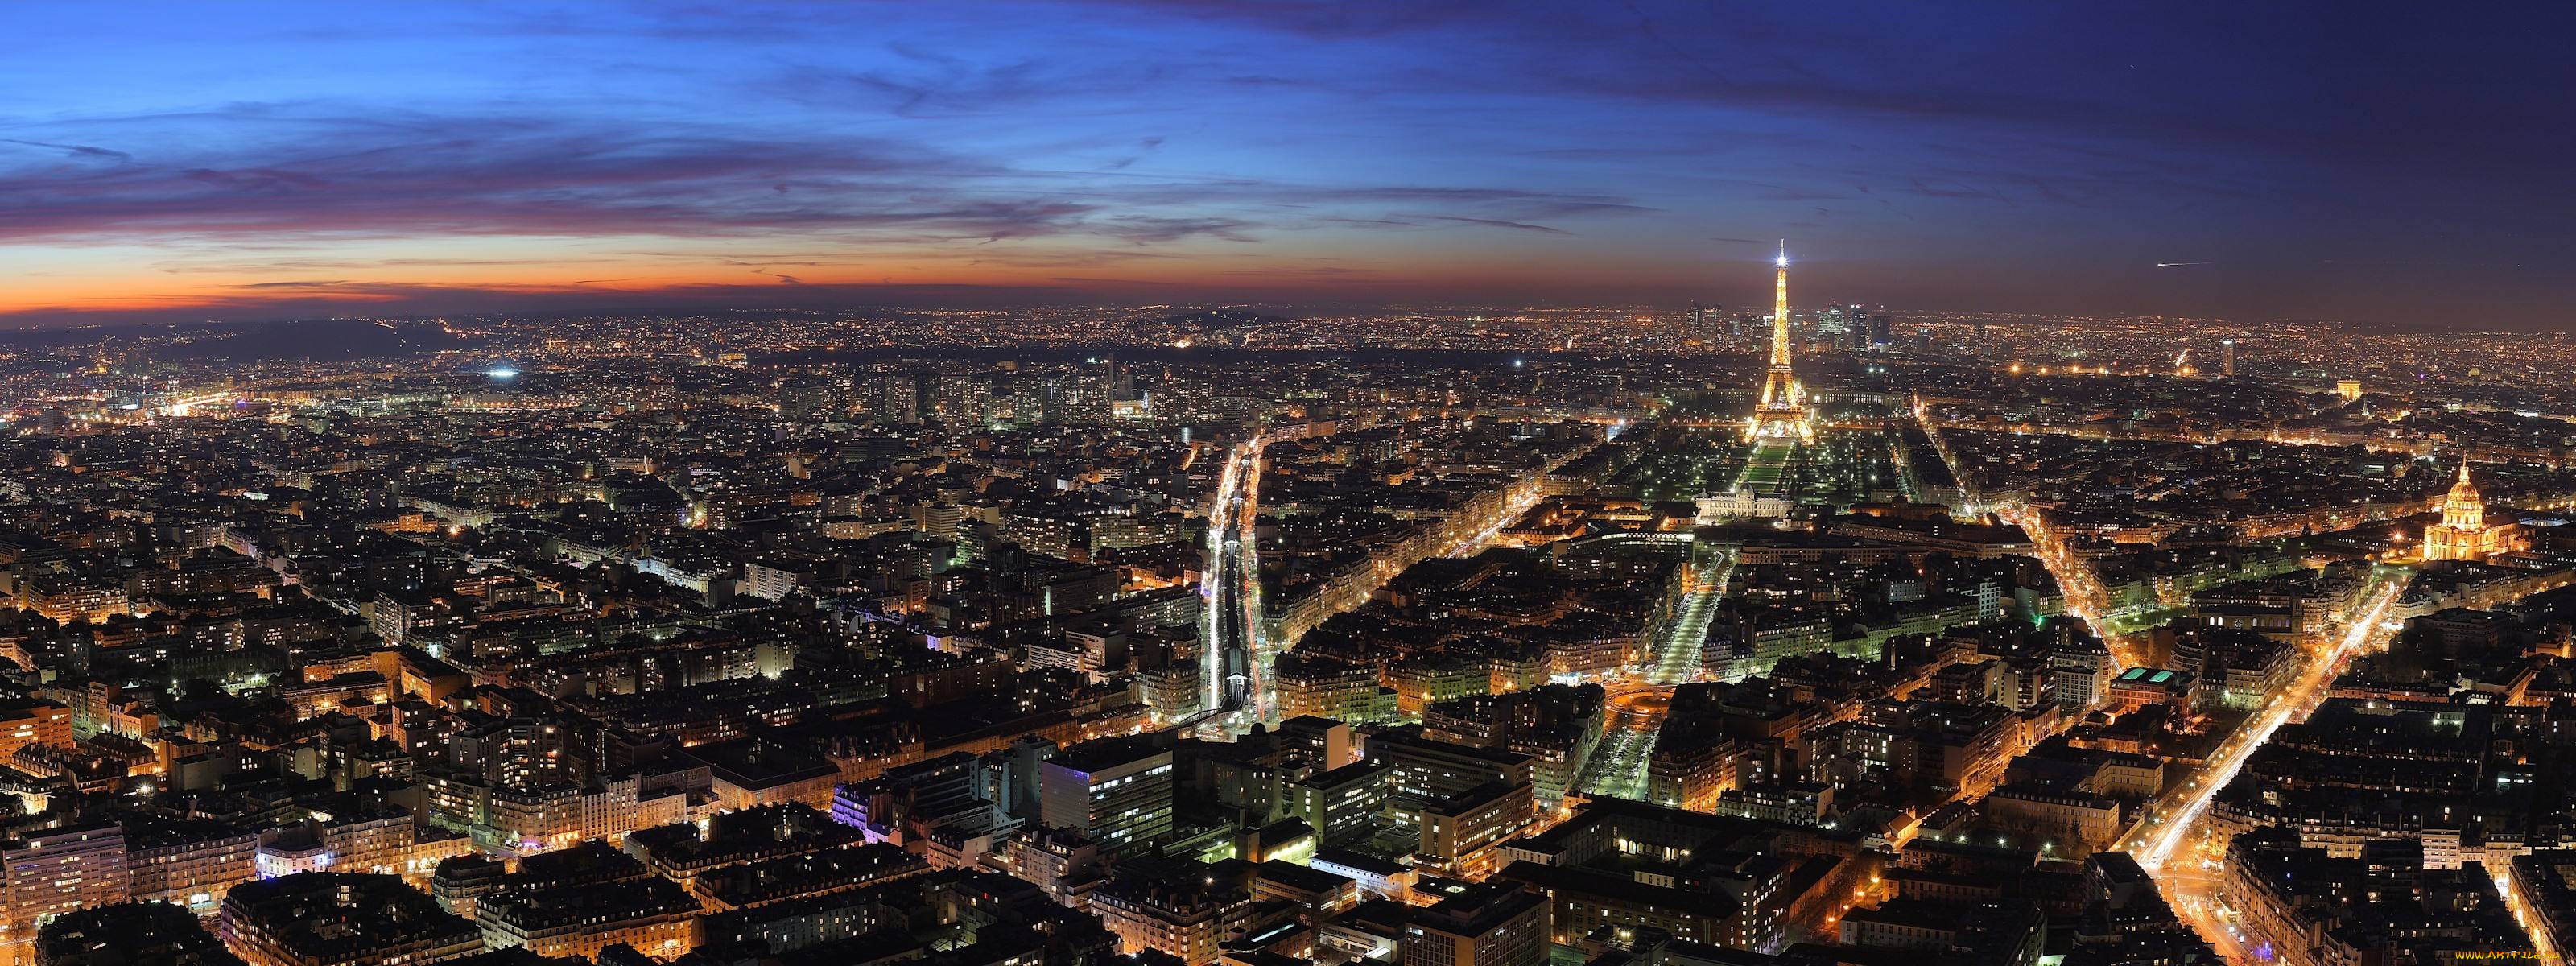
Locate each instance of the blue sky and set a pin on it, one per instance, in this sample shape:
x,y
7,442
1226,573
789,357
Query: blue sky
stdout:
x,y
2380,163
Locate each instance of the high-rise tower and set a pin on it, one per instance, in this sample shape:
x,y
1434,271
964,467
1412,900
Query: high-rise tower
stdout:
x,y
1782,413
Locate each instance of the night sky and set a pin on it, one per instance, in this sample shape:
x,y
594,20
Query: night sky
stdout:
x,y
2386,164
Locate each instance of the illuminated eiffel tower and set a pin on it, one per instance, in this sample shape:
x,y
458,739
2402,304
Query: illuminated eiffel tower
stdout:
x,y
1782,414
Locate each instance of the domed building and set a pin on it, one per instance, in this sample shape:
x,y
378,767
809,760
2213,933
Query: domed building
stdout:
x,y
2464,533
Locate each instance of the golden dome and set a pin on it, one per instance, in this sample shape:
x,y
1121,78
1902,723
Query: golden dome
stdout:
x,y
2464,509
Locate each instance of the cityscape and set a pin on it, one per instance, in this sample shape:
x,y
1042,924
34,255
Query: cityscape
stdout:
x,y
494,618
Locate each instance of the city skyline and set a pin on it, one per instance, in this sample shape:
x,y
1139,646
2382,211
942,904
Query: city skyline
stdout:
x,y
2373,165
1189,638
1193,483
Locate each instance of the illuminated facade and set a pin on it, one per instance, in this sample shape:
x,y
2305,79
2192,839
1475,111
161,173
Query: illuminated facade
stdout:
x,y
1782,413
1189,921
2464,533
652,915
537,818
58,871
65,598
34,722
331,917
188,863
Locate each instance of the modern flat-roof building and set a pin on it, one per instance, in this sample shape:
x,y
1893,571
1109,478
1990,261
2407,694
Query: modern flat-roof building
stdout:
x,y
1118,791
60,870
1489,924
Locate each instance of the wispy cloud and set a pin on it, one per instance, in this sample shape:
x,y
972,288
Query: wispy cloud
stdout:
x,y
1499,223
305,170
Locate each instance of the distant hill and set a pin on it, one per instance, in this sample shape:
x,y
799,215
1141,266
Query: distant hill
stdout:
x,y
1219,319
313,339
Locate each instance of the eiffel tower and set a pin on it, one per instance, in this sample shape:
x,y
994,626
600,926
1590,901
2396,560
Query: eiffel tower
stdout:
x,y
1782,414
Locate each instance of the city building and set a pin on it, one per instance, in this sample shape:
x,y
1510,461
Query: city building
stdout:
x,y
56,871
1117,792
1189,920
341,919
130,934
2465,533
652,915
1479,925
1462,835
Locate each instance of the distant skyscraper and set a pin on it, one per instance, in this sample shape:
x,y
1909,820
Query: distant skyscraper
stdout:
x,y
2227,358
895,398
961,398
1088,397
1036,399
1832,323
1783,409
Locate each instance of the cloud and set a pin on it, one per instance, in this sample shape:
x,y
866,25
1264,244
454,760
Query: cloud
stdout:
x,y
416,175
1148,228
77,150
1498,223
266,172
322,298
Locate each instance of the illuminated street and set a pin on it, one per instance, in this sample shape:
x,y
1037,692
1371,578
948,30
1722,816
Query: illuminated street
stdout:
x,y
1618,766
1677,655
1236,690
2076,582
2169,840
1519,501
